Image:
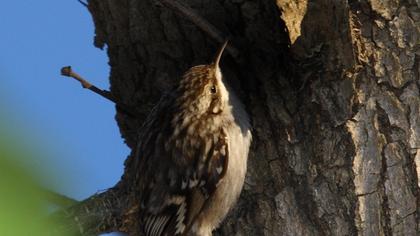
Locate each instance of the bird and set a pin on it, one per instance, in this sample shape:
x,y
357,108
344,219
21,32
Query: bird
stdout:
x,y
192,152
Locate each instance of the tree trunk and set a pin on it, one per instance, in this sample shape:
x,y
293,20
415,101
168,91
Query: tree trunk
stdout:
x,y
333,91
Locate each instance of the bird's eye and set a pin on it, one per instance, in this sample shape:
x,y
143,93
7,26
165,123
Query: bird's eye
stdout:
x,y
213,89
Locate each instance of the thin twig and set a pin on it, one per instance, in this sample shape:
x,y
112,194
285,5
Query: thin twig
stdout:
x,y
59,199
67,71
83,3
200,22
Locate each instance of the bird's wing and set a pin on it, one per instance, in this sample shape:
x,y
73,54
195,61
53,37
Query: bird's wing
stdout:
x,y
173,171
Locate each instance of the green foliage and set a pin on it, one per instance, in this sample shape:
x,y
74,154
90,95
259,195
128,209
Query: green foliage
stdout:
x,y
23,205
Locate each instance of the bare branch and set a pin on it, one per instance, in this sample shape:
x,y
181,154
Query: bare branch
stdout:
x,y
59,199
83,3
67,71
98,214
191,15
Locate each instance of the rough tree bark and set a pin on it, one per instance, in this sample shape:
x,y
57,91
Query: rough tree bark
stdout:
x,y
333,91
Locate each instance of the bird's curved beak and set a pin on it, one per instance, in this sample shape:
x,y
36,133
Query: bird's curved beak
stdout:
x,y
219,54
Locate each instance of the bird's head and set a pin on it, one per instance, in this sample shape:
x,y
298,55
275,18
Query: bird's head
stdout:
x,y
202,90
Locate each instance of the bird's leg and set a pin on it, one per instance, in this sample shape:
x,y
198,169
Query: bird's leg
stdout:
x,y
67,71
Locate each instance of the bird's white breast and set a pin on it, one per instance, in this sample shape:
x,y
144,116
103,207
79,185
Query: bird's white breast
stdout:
x,y
238,132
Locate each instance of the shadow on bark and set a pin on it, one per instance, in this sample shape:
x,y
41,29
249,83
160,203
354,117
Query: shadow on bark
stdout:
x,y
327,130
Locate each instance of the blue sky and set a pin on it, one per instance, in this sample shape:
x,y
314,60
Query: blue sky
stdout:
x,y
73,128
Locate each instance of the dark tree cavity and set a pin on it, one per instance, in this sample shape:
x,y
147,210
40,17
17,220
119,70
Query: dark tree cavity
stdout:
x,y
333,91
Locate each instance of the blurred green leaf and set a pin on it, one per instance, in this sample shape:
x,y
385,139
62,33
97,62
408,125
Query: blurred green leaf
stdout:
x,y
23,205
